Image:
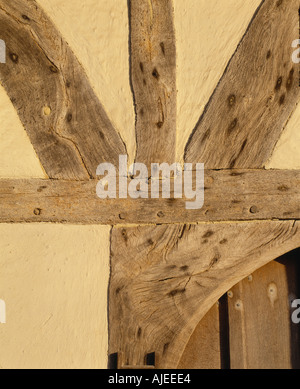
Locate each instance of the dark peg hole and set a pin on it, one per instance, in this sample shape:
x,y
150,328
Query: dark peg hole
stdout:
x,y
37,211
155,73
254,209
282,99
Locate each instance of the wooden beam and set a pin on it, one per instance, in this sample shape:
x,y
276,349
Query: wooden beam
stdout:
x,y
164,279
229,195
66,123
153,77
255,97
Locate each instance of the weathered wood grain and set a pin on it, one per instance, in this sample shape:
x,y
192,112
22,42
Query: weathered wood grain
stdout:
x,y
260,325
153,77
164,279
255,97
66,123
238,195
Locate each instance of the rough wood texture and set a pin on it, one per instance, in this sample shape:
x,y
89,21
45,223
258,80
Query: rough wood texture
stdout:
x,y
164,279
255,97
261,334
67,125
242,195
203,348
153,76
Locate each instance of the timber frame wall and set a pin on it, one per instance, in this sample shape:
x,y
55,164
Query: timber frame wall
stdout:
x,y
169,266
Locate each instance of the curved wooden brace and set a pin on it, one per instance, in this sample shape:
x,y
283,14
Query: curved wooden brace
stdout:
x,y
64,119
255,97
164,279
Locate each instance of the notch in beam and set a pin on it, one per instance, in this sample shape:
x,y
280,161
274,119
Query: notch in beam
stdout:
x,y
113,361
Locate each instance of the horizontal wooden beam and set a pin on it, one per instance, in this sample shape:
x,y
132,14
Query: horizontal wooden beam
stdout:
x,y
229,195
